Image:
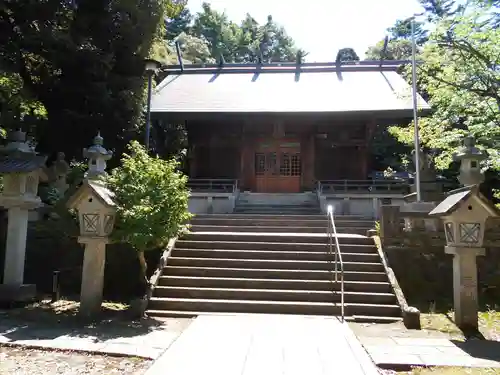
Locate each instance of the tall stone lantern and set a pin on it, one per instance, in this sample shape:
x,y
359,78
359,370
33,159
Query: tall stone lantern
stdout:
x,y
96,216
470,158
20,166
464,213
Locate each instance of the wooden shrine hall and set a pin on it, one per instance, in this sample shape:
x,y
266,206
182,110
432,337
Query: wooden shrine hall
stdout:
x,y
280,128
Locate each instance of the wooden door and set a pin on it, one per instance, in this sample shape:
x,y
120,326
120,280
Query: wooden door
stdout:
x,y
278,166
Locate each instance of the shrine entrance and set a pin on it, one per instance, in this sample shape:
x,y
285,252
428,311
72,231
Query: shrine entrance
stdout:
x,y
278,166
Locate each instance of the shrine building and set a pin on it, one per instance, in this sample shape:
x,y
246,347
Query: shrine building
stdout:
x,y
282,128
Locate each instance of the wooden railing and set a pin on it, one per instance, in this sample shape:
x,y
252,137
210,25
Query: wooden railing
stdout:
x,y
213,185
363,186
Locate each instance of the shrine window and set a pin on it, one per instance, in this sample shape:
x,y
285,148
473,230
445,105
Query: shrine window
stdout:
x,y
295,165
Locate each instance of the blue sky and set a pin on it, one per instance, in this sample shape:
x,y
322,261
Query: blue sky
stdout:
x,y
322,27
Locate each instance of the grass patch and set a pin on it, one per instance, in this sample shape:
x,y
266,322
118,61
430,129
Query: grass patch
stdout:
x,y
488,321
66,312
453,371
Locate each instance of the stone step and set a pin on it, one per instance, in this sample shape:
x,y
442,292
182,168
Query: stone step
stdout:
x,y
273,264
270,307
275,255
276,237
271,273
275,246
274,229
242,202
277,211
274,295
339,218
286,284
373,319
276,221
191,314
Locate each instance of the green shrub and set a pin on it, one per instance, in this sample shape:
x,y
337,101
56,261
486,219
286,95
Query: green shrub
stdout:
x,y
152,201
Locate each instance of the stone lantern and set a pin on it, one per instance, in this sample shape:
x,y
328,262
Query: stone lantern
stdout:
x,y
97,157
470,158
96,217
464,213
21,167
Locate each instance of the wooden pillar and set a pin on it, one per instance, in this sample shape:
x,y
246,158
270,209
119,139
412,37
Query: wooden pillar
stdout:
x,y
307,159
364,156
370,131
247,169
192,162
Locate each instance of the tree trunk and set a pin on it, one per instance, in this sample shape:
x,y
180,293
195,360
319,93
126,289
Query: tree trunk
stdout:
x,y
144,266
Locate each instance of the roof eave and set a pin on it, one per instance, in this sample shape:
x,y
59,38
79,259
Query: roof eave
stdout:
x,y
387,114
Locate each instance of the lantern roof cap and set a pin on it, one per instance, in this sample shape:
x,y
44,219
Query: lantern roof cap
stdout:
x,y
95,188
97,150
456,198
470,151
18,155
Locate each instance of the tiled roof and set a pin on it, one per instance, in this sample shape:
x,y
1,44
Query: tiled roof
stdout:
x,y
326,91
20,165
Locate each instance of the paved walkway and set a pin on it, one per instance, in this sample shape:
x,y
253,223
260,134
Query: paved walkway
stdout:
x,y
128,339
397,351
392,345
265,344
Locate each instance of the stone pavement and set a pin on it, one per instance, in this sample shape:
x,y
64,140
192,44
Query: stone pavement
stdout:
x,y
404,348
126,339
265,344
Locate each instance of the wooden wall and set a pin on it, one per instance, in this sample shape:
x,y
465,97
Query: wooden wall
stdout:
x,y
329,150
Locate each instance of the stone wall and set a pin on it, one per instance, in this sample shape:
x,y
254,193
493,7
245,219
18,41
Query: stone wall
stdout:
x,y
211,203
425,275
416,254
367,205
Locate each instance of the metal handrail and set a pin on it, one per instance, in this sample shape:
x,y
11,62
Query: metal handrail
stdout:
x,y
333,238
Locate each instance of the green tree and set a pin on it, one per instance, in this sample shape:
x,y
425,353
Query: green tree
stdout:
x,y
402,30
437,9
246,42
18,107
152,201
347,54
179,24
397,49
83,63
220,33
194,50
274,43
461,76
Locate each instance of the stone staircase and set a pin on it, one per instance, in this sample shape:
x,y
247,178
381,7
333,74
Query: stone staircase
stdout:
x,y
276,204
273,263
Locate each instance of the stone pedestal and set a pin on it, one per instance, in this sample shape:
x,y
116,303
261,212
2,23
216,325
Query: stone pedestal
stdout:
x,y
465,285
93,274
419,224
15,247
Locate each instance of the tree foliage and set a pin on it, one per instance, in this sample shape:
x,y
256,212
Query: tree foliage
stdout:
x,y
347,54
461,75
82,61
397,49
247,41
152,200
402,30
